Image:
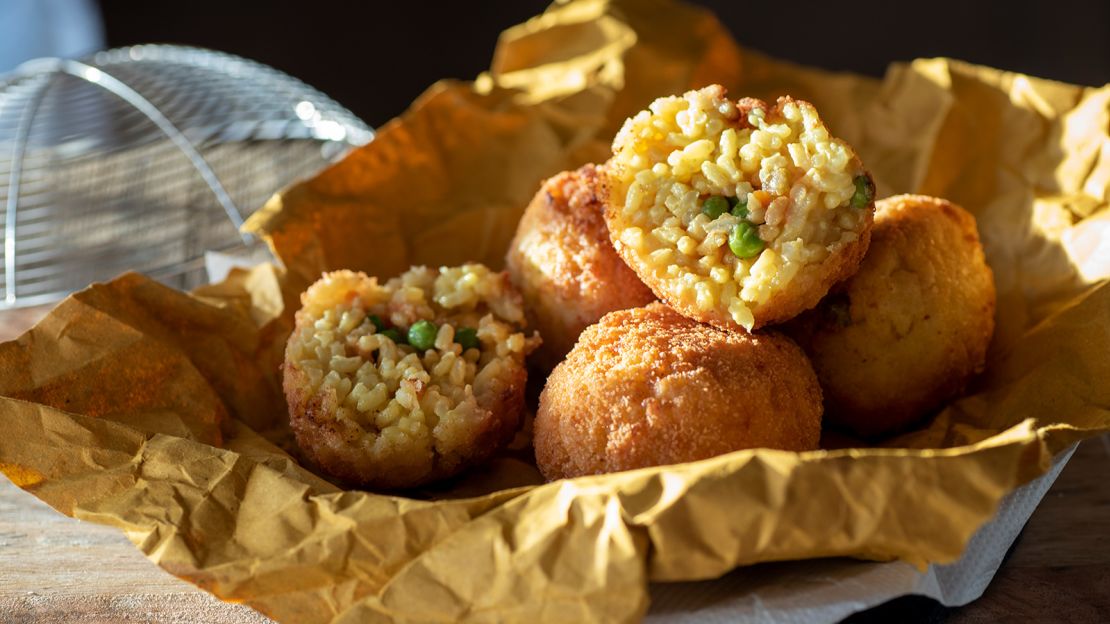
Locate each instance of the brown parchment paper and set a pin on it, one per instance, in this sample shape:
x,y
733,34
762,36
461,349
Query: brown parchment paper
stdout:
x,y
160,412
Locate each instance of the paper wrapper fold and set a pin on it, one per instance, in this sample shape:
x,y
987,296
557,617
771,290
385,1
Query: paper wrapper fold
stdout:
x,y
161,413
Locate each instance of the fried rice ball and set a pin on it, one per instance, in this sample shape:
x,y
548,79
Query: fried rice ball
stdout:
x,y
562,262
398,384
909,330
738,214
648,386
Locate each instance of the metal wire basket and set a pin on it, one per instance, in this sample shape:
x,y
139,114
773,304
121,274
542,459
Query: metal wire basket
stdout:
x,y
146,158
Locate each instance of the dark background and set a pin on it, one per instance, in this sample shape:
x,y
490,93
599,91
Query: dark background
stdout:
x,y
376,57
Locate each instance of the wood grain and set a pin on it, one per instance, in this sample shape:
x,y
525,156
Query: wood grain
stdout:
x,y
1059,570
55,569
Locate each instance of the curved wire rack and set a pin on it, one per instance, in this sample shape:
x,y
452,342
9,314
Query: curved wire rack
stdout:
x,y
145,158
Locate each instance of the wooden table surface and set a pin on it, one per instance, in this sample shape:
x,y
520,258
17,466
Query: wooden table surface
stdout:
x,y
56,569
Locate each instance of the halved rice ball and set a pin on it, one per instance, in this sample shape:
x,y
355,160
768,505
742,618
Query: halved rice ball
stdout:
x,y
398,384
738,214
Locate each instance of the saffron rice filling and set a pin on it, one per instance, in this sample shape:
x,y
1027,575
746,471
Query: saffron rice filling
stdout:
x,y
722,204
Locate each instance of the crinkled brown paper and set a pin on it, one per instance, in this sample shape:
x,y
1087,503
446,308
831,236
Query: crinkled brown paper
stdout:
x,y
159,412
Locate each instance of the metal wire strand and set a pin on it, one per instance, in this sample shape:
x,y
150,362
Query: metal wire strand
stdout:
x,y
146,157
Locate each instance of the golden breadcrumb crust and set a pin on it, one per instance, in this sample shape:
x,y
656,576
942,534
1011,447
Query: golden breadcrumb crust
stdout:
x,y
648,386
562,262
908,330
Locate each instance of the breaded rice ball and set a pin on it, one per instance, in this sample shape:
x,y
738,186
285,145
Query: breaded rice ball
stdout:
x,y
907,332
648,386
400,384
564,265
737,214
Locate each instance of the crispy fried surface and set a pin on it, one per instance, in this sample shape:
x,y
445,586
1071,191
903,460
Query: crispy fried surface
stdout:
x,y
562,262
647,386
912,326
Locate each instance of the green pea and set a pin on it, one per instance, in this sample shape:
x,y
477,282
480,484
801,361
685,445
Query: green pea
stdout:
x,y
422,335
379,324
744,240
393,335
865,191
714,206
467,337
739,206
